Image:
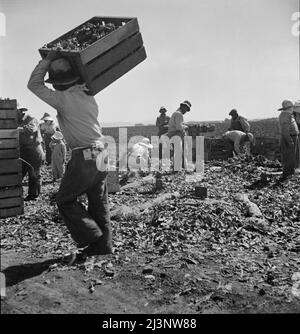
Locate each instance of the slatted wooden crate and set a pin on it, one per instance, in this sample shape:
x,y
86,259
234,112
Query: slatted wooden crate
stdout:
x,y
108,58
216,149
268,147
11,193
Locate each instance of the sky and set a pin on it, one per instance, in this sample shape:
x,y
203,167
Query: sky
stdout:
x,y
218,54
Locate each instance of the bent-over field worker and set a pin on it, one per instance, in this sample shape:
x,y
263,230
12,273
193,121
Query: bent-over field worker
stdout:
x,y
288,138
31,152
77,115
238,139
139,155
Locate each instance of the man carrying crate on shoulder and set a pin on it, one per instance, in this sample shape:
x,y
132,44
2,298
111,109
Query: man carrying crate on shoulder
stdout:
x,y
77,115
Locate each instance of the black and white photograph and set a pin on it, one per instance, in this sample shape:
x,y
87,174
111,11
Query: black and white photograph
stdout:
x,y
150,160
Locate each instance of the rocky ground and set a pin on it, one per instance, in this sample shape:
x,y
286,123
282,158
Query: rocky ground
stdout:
x,y
174,252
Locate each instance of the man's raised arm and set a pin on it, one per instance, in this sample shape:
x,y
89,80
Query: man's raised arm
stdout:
x,y
37,85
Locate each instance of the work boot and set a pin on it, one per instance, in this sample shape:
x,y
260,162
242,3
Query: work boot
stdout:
x,y
97,248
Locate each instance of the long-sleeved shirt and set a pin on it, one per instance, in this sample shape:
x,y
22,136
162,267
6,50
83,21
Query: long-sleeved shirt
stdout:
x,y
287,125
77,112
237,137
59,151
162,124
176,123
240,124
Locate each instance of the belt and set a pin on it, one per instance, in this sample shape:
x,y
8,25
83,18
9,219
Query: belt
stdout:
x,y
80,148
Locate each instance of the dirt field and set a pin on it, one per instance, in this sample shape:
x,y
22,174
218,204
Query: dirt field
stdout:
x,y
176,255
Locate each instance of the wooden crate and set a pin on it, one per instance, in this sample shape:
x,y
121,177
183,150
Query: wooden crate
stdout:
x,y
10,166
9,212
216,149
11,191
268,147
113,184
8,114
108,58
11,180
8,104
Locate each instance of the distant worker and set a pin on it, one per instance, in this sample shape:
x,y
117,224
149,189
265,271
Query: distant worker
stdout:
x,y
289,144
31,152
58,158
162,122
238,122
47,130
176,123
178,128
237,139
139,155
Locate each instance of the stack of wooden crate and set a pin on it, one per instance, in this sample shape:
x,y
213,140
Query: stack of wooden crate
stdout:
x,y
11,194
268,147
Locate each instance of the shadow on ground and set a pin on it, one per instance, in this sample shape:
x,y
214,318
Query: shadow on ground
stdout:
x,y
19,273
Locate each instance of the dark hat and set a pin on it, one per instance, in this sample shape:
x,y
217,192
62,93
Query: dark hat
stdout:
x,y
187,104
23,109
61,73
233,112
45,115
162,109
286,104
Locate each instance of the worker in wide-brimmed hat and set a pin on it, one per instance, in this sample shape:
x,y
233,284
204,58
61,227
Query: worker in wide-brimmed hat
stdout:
x,y
48,127
77,115
178,129
139,155
176,123
289,144
162,121
61,74
58,157
31,151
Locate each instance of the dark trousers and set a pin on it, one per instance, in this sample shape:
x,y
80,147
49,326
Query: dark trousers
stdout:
x,y
47,140
289,154
34,158
34,179
82,177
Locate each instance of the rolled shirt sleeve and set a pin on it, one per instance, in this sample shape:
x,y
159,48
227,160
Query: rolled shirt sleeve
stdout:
x,y
37,85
